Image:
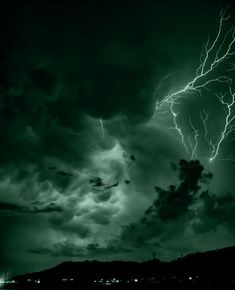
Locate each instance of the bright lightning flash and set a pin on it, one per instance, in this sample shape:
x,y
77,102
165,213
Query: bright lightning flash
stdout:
x,y
228,127
213,54
102,127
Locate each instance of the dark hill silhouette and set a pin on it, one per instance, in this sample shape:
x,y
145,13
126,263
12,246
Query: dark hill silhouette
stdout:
x,y
213,269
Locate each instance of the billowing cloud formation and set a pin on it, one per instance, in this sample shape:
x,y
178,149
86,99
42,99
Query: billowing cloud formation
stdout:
x,y
174,204
185,211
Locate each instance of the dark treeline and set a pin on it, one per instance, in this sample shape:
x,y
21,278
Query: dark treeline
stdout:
x,y
214,269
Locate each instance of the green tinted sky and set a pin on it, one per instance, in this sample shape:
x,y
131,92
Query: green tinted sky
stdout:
x,y
69,190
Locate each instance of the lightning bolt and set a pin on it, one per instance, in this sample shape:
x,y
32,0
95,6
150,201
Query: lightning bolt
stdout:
x,y
214,53
204,115
102,127
228,127
157,89
176,126
196,135
189,142
232,66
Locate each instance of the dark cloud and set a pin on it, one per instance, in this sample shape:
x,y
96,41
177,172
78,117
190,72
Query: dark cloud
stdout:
x,y
167,216
69,250
176,207
29,209
64,249
9,206
99,184
215,210
48,209
97,181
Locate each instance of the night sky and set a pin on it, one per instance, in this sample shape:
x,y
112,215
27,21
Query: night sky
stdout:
x,y
92,165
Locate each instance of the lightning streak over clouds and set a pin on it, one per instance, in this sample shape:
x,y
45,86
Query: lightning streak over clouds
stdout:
x,y
204,115
85,171
196,134
102,127
214,53
228,127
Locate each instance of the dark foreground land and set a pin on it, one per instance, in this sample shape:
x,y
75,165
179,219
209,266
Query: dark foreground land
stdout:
x,y
210,270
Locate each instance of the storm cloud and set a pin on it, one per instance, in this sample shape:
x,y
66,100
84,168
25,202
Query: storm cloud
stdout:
x,y
85,169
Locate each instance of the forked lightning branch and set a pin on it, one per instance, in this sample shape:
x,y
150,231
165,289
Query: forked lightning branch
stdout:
x,y
217,53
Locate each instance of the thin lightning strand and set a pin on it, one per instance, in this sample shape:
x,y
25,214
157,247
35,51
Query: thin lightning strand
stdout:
x,y
228,127
196,135
102,127
189,141
204,115
207,51
156,91
176,127
232,66
210,58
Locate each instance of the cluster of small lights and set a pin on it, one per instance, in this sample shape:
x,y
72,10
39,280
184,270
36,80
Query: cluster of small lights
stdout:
x,y
107,282
36,281
213,54
114,281
67,279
